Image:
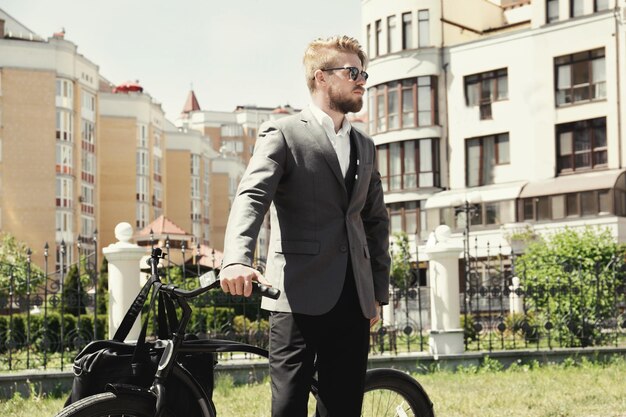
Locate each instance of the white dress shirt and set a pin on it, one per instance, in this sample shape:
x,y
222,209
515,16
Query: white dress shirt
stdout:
x,y
339,140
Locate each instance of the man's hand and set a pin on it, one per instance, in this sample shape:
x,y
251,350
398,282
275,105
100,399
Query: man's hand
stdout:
x,y
376,319
237,279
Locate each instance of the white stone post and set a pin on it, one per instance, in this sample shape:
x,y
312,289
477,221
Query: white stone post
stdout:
x,y
124,277
516,301
446,334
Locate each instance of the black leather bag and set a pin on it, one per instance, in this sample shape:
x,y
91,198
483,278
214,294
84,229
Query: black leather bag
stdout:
x,y
105,362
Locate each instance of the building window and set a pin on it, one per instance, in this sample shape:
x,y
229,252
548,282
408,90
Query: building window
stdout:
x,y
87,226
157,174
88,101
143,165
409,165
483,154
571,205
64,194
65,89
64,158
407,30
368,41
552,11
142,136
577,8
392,35
195,164
600,5
142,215
488,214
379,38
142,189
88,167
64,125
88,135
423,28
580,77
581,145
404,103
64,221
404,217
485,88
86,199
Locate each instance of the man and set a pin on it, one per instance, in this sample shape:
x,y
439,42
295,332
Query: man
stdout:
x,y
328,251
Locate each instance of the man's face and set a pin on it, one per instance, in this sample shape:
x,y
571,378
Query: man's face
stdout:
x,y
346,95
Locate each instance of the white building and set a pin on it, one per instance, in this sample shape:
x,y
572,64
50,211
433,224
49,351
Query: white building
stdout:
x,y
516,108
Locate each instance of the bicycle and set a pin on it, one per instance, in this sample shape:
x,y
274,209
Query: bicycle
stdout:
x,y
388,392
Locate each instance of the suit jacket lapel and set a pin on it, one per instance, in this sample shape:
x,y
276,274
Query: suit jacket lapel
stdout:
x,y
320,138
358,147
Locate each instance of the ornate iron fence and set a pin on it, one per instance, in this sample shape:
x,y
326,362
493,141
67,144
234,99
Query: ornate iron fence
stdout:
x,y
507,309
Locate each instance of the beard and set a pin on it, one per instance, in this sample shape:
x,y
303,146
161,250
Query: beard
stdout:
x,y
337,102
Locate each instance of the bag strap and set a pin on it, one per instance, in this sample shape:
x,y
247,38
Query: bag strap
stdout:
x,y
141,355
133,312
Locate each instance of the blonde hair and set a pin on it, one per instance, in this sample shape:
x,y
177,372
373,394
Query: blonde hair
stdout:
x,y
321,53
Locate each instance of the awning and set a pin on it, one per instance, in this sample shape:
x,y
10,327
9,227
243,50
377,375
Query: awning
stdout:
x,y
486,193
599,180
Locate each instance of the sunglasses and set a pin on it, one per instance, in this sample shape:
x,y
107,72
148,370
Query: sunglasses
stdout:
x,y
354,72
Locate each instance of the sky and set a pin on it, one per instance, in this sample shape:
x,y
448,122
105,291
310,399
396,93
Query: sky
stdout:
x,y
231,52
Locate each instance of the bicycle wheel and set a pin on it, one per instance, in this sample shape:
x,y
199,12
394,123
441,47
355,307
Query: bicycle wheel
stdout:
x,y
109,404
391,393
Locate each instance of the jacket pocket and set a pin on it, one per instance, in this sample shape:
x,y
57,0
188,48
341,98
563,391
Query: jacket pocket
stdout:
x,y
300,247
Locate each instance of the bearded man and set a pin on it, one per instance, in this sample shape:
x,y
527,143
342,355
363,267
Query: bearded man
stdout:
x,y
328,251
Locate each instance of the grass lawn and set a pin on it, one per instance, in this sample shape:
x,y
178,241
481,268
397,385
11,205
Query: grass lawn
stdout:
x,y
572,389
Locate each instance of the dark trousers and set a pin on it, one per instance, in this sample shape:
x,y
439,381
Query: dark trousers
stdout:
x,y
338,339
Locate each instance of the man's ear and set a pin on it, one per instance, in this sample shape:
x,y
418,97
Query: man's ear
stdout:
x,y
320,77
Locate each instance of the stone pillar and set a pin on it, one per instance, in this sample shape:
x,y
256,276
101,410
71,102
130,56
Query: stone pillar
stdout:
x,y
124,277
446,334
516,301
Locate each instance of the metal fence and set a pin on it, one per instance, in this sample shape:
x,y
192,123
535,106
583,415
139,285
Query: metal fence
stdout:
x,y
503,308
48,314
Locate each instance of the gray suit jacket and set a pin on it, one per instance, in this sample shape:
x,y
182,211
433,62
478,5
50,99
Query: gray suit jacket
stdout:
x,y
295,173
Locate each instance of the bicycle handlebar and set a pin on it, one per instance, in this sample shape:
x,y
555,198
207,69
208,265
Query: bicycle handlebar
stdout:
x,y
257,288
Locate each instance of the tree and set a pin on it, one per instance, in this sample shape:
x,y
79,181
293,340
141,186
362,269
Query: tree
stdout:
x,y
14,263
570,281
400,261
74,294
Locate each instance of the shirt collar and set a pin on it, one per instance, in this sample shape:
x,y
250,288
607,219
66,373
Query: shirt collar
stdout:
x,y
327,123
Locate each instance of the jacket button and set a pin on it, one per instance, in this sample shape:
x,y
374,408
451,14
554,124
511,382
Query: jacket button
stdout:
x,y
343,248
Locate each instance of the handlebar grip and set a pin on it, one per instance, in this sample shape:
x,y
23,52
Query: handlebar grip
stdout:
x,y
265,291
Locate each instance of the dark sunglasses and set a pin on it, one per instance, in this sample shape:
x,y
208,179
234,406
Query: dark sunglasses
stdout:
x,y
354,72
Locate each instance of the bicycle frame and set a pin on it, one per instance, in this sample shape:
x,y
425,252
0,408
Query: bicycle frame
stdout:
x,y
168,366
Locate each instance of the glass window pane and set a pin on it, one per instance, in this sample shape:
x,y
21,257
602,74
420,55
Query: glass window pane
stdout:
x,y
408,112
577,8
473,162
600,5
407,31
394,120
604,201
565,143
395,166
426,155
410,177
571,201
492,214
503,149
543,208
528,212
423,28
503,87
396,222
410,221
588,203
558,206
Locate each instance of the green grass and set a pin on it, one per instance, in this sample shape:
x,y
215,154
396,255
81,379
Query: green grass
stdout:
x,y
572,389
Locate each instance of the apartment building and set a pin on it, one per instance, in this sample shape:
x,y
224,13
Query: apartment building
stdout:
x,y
131,162
48,142
189,182
514,107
